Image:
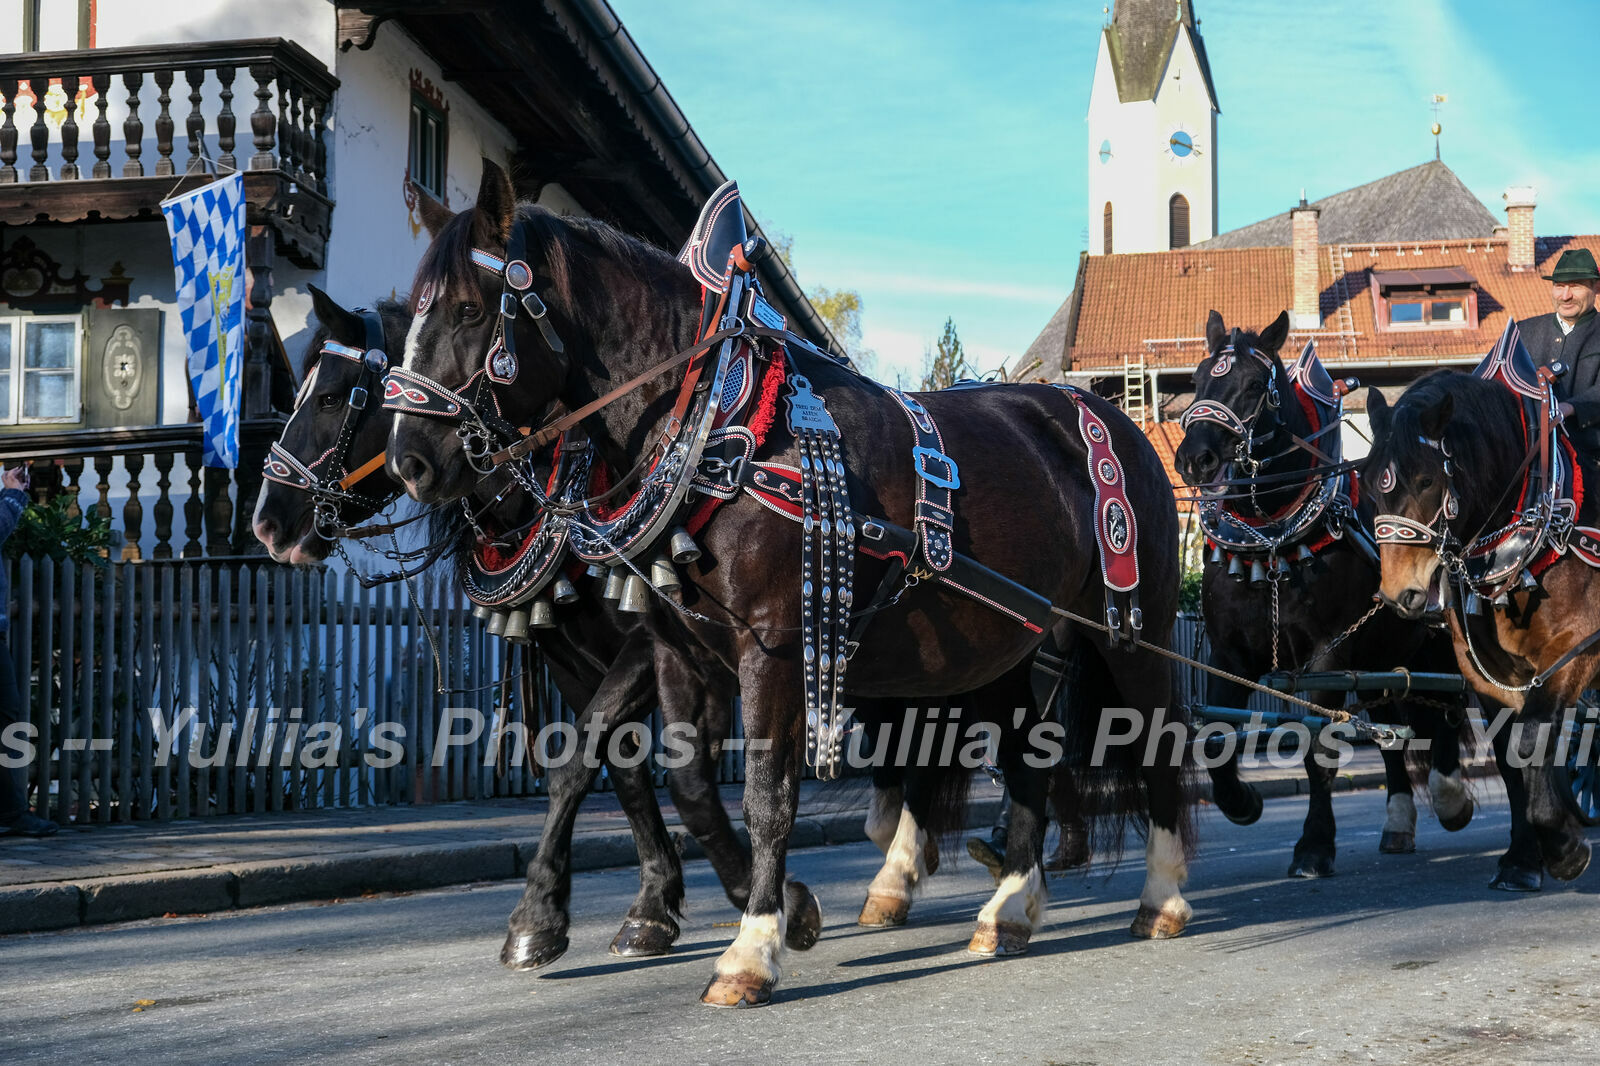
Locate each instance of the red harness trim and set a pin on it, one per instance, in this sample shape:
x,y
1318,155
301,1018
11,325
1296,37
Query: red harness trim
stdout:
x,y
759,425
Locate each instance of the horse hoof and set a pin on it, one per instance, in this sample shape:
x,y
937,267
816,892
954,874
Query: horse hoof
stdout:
x,y
1459,820
998,939
986,855
1311,866
1518,879
881,911
804,925
641,937
930,856
738,990
1160,923
1394,842
530,951
1570,865
1249,812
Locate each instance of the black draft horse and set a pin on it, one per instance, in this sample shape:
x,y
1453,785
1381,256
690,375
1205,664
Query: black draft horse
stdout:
x,y
601,659
1025,509
1319,600
1446,458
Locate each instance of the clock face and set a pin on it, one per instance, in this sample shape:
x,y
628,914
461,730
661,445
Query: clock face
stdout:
x,y
1180,146
1105,151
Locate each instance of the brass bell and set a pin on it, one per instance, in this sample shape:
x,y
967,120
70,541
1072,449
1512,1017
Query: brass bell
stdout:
x,y
497,624
682,546
1235,568
595,570
614,583
664,576
563,591
1217,555
635,596
1258,572
543,614
517,626
1281,565
481,612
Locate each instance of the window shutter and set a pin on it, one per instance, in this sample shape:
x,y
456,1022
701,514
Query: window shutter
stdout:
x,y
1178,221
1106,232
121,367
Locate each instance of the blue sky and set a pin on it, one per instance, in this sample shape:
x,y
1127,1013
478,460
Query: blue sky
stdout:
x,y
930,153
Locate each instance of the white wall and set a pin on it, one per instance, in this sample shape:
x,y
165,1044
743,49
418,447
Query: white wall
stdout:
x,y
309,23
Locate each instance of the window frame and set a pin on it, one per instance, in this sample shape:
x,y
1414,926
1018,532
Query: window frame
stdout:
x,y
441,123
1386,298
18,325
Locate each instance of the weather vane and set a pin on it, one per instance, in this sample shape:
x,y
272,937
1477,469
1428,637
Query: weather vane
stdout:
x,y
1438,100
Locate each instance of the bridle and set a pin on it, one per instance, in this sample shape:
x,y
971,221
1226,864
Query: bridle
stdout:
x,y
329,478
1243,428
474,406
1434,533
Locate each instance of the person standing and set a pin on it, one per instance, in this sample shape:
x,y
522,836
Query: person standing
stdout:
x,y
1571,334
15,818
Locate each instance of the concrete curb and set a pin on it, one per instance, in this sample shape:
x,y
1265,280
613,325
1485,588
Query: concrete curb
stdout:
x,y
43,906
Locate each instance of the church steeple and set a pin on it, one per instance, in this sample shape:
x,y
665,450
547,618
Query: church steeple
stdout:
x,y
1152,131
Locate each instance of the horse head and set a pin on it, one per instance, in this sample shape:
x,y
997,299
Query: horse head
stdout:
x,y
310,484
1239,392
516,309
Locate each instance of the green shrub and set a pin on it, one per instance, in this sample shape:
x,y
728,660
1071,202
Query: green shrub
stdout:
x,y
50,529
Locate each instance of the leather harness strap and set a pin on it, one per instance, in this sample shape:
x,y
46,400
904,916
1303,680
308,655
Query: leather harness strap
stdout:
x,y
937,478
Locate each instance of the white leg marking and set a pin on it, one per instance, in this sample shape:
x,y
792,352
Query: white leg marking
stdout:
x,y
883,816
903,867
1019,901
1449,793
757,949
1165,873
1402,814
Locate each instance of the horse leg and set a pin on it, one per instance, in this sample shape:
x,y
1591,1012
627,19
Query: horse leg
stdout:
x,y
1315,850
1239,801
1163,912
706,704
1013,914
537,933
1452,803
1561,838
747,972
905,859
649,927
1521,868
1400,826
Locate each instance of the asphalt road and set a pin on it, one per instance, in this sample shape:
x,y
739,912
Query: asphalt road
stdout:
x,y
1399,959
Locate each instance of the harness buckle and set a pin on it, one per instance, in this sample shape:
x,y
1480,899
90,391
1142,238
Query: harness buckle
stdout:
x,y
949,479
358,398
508,306
534,305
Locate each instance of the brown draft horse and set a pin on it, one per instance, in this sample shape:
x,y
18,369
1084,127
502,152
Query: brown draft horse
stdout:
x,y
1025,509
1448,459
1244,374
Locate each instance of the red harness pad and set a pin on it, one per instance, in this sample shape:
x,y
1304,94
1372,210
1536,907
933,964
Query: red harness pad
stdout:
x,y
1115,528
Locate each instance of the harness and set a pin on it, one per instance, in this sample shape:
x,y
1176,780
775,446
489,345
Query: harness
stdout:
x,y
328,477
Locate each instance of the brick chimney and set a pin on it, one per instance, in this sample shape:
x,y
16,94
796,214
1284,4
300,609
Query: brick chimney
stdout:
x,y
1519,225
1307,299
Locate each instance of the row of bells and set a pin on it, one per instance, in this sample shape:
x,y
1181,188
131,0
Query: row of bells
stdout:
x,y
627,588
1259,569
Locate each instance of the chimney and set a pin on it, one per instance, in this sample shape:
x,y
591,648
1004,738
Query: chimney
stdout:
x,y
1307,299
1519,224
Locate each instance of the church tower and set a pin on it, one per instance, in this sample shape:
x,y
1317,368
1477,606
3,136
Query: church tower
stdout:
x,y
1152,132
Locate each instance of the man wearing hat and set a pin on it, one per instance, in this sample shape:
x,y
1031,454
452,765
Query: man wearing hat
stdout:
x,y
1571,334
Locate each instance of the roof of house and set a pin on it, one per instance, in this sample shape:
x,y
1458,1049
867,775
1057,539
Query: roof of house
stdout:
x,y
1165,437
1141,36
1426,202
1156,303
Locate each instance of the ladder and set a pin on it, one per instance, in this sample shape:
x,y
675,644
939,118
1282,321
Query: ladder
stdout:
x,y
1343,320
1135,388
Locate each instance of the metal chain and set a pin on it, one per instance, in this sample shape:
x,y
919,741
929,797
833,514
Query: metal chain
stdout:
x,y
1273,581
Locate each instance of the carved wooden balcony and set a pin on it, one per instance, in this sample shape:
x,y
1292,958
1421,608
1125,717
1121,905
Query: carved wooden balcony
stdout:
x,y
96,174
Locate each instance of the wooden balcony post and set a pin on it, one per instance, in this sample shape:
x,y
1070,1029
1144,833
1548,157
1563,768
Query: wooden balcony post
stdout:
x,y
69,130
226,121
133,128
133,510
164,167
8,131
257,399
195,124
263,124
102,126
39,135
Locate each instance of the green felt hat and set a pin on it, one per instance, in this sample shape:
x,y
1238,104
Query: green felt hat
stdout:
x,y
1575,264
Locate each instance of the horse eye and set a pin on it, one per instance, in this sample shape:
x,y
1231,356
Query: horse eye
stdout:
x,y
330,401
471,312
1424,483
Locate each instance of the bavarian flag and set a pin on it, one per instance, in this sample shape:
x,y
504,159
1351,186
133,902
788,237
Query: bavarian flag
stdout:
x,y
207,230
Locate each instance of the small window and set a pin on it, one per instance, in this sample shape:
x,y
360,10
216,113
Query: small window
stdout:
x,y
41,362
1422,310
1178,221
428,160
1105,224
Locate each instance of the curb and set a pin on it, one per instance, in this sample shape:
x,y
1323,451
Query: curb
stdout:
x,y
50,905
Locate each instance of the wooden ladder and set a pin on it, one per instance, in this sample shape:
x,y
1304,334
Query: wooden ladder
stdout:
x,y
1135,388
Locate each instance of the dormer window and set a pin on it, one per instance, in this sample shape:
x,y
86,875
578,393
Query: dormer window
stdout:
x,y
1439,298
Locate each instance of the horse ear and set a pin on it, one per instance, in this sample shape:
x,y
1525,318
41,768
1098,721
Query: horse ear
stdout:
x,y
1378,415
1273,336
1216,332
435,216
496,206
342,325
1434,419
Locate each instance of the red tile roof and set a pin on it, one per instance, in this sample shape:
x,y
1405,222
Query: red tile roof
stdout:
x,y
1166,436
1155,304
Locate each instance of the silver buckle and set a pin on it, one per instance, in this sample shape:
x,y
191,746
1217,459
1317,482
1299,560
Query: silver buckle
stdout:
x,y
950,480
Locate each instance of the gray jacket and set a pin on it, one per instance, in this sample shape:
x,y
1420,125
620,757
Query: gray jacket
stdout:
x,y
1580,385
12,501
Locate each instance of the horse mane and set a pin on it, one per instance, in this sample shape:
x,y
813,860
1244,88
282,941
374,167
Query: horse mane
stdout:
x,y
390,308
1478,404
